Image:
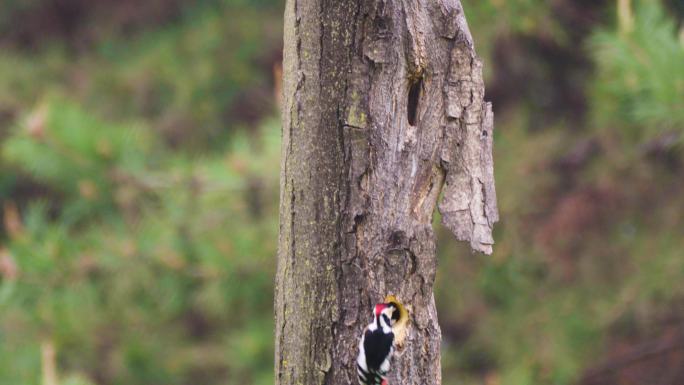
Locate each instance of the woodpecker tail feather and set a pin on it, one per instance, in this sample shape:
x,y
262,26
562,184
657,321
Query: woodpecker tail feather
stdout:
x,y
370,377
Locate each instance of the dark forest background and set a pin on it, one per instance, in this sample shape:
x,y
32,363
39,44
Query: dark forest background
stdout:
x,y
139,162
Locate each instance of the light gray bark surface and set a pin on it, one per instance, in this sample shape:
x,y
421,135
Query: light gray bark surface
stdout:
x,y
383,110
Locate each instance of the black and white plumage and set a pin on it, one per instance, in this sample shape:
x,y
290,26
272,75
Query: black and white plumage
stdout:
x,y
377,346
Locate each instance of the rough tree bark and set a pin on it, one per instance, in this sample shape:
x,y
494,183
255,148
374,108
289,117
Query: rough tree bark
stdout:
x,y
383,111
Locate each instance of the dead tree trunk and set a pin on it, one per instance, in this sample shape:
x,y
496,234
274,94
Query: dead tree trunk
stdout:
x,y
383,110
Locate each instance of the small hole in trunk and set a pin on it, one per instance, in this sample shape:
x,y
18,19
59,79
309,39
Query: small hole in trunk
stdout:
x,y
413,100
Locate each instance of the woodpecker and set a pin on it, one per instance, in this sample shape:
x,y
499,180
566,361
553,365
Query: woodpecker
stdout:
x,y
377,345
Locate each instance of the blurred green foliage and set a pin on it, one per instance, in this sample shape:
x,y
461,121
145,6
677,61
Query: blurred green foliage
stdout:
x,y
642,71
158,264
139,179
140,201
588,262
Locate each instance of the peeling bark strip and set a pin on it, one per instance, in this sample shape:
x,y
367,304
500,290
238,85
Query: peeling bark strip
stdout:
x,y
383,111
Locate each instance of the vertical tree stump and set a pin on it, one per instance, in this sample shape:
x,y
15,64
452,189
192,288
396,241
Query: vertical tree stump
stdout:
x,y
383,112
